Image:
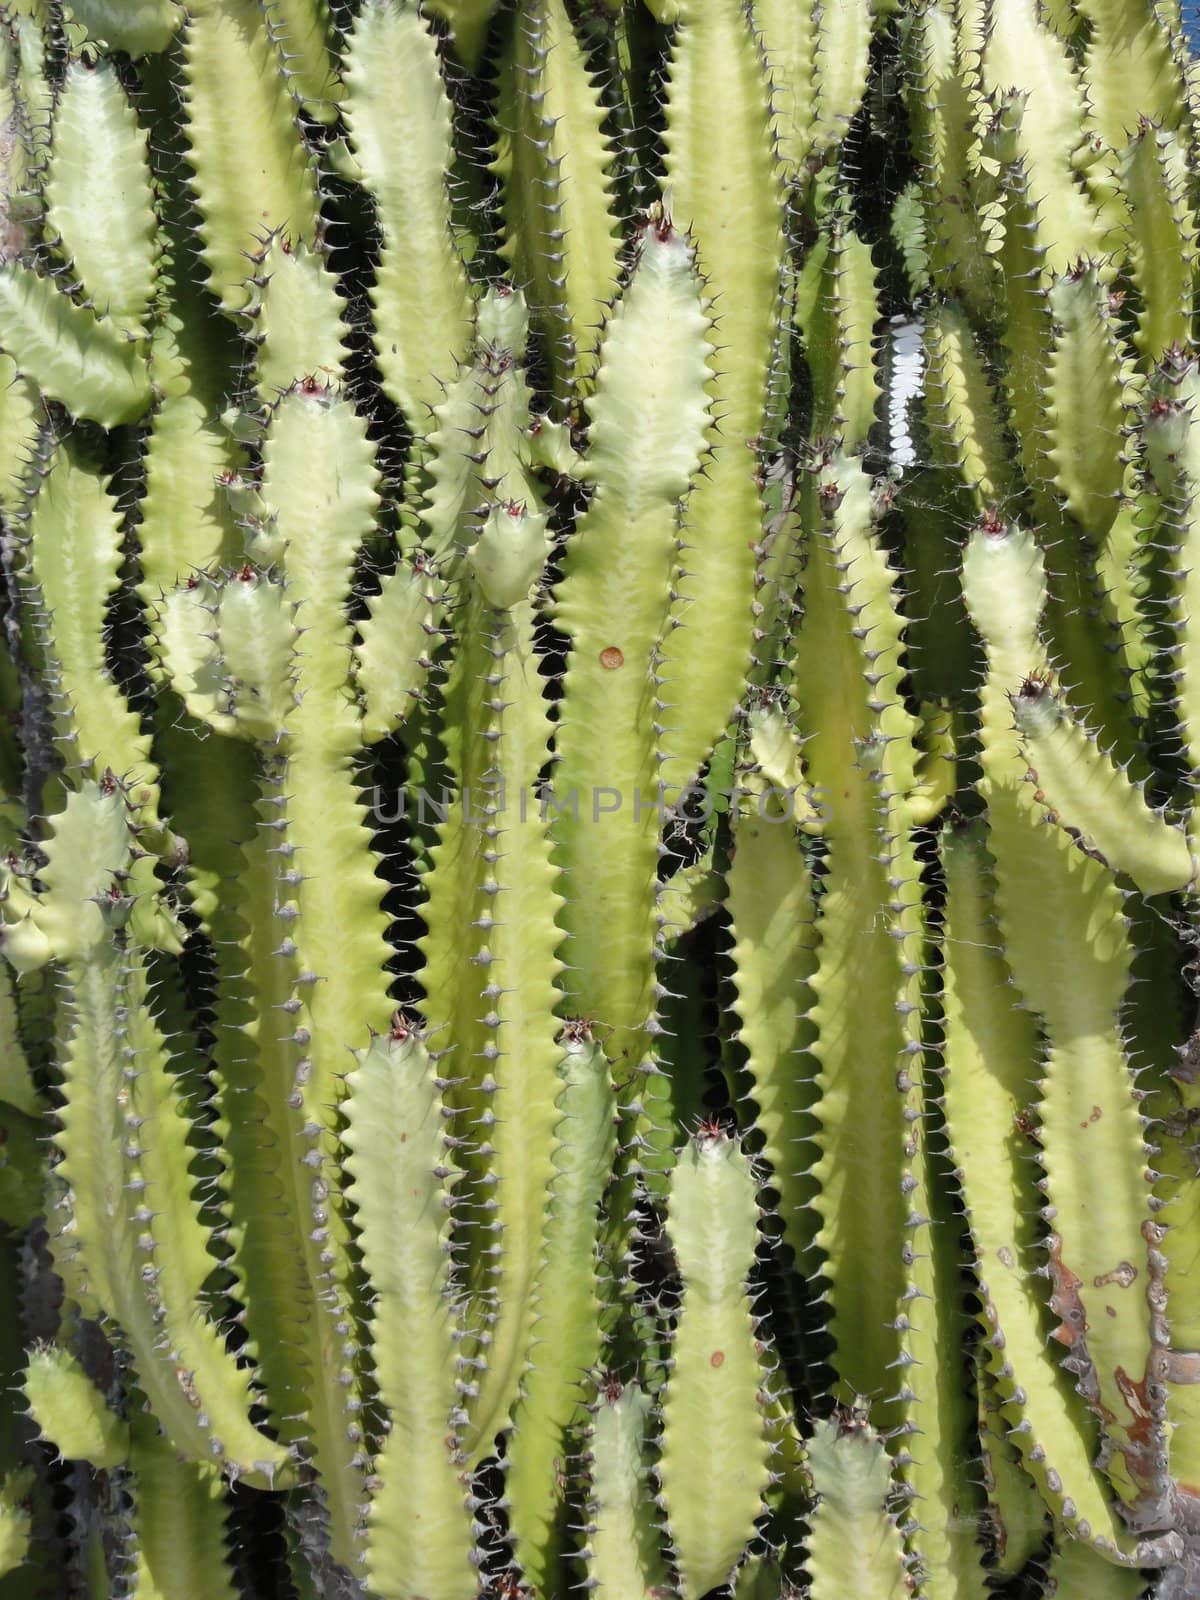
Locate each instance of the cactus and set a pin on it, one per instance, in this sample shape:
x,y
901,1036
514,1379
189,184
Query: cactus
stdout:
x,y
601,866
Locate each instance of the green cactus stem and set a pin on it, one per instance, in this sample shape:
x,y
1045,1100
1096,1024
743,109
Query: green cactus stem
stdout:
x,y
851,1525
419,1537
598,758
713,1402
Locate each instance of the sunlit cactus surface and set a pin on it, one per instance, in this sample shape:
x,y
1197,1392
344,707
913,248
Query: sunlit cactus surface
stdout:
x,y
599,847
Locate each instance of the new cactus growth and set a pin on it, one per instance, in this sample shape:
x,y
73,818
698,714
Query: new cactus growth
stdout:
x,y
599,844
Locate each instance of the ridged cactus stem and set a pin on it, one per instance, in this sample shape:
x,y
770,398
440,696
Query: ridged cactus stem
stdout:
x,y
1076,980
714,1401
613,603
134,1225
419,1538
598,834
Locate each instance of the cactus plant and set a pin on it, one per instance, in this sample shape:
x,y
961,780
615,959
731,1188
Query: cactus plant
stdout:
x,y
598,785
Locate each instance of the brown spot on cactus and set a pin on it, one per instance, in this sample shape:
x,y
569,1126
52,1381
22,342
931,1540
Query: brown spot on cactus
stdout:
x,y
612,657
1065,1301
1122,1274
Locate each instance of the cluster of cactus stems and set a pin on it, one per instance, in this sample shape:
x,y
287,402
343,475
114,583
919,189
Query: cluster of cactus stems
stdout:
x,y
601,685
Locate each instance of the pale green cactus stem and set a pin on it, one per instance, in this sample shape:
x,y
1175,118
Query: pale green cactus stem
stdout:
x,y
1081,787
319,488
841,66
233,652
123,1149
1025,331
758,1578
854,1543
299,324
558,172
648,416
943,97
490,869
475,464
179,1521
565,1338
1074,1569
74,559
929,1316
20,420
186,521
419,1533
921,1314
789,43
319,483
31,18
713,1466
849,673
303,32
837,308
1177,1161
770,903
252,179
1086,359
229,644
95,369
1162,238
1018,1517
1172,433
1132,70
727,194
398,116
1020,55
397,644
631,42
945,1513
1073,970
173,1541
964,417
513,1055
624,1550
21,171
73,554
16,1523
17,1086
71,1412
91,363
111,247
485,441
279,1204
1058,343
993,1058
1157,1027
